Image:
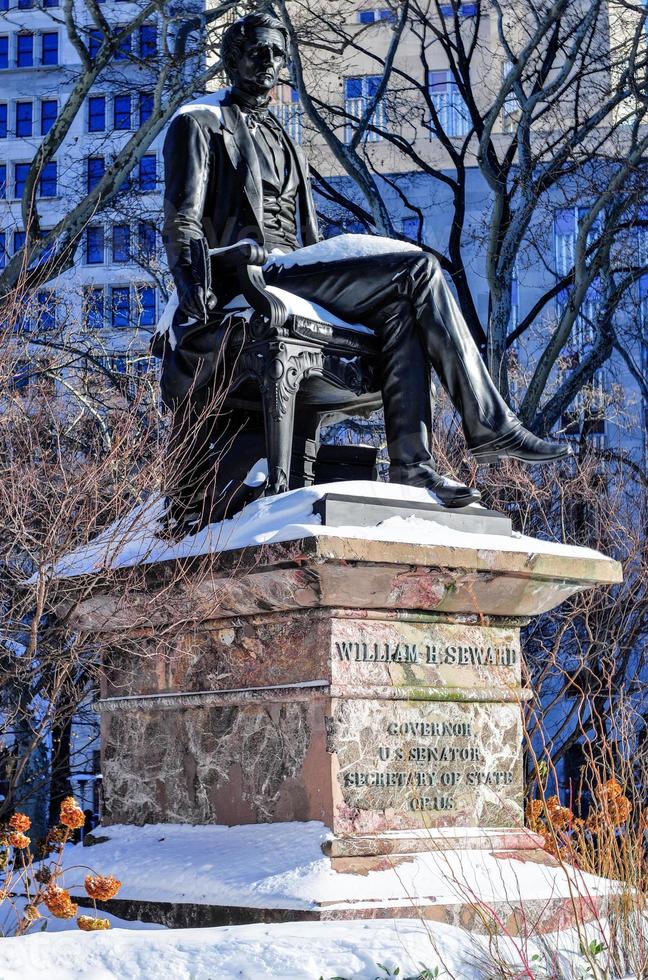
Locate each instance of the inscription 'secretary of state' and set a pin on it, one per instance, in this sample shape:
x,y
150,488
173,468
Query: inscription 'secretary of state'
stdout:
x,y
456,654
454,743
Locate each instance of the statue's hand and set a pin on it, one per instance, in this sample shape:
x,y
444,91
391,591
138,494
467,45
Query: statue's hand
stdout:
x,y
197,304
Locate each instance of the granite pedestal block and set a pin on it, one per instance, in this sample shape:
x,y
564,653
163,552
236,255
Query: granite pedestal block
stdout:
x,y
375,686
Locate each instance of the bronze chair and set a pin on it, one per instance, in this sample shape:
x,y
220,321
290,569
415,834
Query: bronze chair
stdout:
x,y
299,371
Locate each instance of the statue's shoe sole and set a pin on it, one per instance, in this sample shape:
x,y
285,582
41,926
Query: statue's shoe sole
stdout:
x,y
490,456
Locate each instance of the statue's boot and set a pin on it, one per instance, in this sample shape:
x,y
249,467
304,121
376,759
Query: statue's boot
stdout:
x,y
407,397
492,431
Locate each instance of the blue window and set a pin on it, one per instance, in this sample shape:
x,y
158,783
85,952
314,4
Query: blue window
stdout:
x,y
96,114
124,49
3,120
20,178
452,112
121,243
24,118
18,241
146,301
120,311
3,181
95,40
96,170
370,16
145,107
93,308
48,180
47,309
464,10
50,3
25,4
49,109
49,48
4,4
3,249
4,51
358,92
147,41
147,173
122,112
147,239
94,245
25,50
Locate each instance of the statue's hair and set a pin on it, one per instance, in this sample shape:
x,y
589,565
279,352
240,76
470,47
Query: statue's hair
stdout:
x,y
242,30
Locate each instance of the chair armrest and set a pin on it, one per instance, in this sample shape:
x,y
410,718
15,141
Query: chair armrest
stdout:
x,y
253,286
247,257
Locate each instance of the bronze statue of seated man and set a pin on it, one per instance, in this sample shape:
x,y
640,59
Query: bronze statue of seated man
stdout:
x,y
232,173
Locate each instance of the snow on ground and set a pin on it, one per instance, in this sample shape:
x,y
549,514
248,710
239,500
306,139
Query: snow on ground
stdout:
x,y
290,951
281,865
288,516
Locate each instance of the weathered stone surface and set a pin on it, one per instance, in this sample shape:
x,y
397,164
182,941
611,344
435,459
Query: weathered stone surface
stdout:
x,y
236,764
340,572
430,764
352,648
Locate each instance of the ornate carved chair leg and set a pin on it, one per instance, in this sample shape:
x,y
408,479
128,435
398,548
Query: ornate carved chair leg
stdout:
x,y
279,396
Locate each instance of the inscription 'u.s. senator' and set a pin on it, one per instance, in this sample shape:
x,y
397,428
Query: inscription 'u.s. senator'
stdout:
x,y
459,654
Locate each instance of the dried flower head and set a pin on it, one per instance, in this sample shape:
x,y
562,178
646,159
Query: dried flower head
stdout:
x,y
20,822
609,790
534,810
559,816
18,840
43,876
90,924
59,903
102,887
71,815
31,913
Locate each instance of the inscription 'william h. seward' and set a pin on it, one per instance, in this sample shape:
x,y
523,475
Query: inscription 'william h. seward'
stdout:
x,y
458,654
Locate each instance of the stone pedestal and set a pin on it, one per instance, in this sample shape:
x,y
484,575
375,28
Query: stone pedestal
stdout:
x,y
374,686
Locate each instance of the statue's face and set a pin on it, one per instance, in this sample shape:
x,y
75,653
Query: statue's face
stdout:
x,y
262,58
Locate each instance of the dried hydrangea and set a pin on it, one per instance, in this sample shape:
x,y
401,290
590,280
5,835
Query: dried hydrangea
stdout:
x,y
90,924
20,822
102,887
59,903
72,816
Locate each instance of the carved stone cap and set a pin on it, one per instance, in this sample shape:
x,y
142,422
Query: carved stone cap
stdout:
x,y
332,571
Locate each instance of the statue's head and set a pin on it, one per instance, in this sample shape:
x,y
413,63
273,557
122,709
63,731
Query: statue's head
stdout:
x,y
253,50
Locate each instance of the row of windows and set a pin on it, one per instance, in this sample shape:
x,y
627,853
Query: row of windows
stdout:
x,y
146,173
144,45
120,238
375,14
29,49
47,184
28,4
123,111
446,98
18,242
95,170
29,118
120,306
